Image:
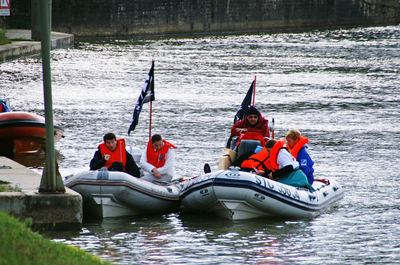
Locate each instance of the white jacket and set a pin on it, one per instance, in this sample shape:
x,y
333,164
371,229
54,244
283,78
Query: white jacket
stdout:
x,y
285,159
167,170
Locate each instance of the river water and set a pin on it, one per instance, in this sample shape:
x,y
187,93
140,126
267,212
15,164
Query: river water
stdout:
x,y
340,88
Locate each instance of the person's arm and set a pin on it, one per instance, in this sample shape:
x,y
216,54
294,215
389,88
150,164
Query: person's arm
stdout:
x,y
282,172
237,125
131,167
97,161
256,130
144,164
305,161
6,108
287,163
266,128
169,162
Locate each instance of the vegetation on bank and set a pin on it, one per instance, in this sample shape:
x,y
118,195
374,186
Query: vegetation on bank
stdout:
x,y
19,245
6,187
3,38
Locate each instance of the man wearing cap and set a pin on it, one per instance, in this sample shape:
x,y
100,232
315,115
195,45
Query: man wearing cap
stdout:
x,y
253,126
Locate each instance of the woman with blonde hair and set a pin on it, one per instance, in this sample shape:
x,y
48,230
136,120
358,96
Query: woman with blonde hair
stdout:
x,y
297,146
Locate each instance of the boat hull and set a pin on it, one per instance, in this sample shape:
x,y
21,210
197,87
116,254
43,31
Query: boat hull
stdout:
x,y
115,194
23,132
240,195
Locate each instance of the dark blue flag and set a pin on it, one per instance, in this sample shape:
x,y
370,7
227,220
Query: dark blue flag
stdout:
x,y
145,96
245,103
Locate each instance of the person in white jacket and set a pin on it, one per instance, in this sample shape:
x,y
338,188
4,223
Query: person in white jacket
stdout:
x,y
158,160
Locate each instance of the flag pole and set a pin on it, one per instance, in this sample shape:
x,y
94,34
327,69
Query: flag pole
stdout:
x,y
151,103
273,128
254,91
151,114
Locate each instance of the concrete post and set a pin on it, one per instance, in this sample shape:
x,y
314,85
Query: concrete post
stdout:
x,y
51,181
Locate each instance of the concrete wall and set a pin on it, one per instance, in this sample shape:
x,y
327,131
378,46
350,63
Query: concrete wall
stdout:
x,y
47,210
138,17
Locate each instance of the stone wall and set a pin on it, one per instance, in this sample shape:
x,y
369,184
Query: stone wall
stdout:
x,y
142,17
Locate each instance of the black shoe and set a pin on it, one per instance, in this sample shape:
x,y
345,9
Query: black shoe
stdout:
x,y
207,168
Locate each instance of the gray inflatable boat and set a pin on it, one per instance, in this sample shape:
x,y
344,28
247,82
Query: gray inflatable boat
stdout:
x,y
113,194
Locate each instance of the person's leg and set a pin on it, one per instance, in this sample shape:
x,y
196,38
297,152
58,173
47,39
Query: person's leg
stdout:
x,y
297,179
207,168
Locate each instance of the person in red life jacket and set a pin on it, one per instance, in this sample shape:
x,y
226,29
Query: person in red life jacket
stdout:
x,y
112,155
254,126
158,160
284,167
297,145
256,162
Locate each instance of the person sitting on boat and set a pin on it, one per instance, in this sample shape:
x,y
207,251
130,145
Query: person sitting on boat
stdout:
x,y
158,160
284,167
254,126
297,146
4,106
256,162
112,155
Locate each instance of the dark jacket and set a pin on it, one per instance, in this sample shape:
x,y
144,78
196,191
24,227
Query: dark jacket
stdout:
x,y
131,168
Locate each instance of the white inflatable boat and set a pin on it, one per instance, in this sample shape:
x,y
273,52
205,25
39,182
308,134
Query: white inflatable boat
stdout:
x,y
114,194
239,195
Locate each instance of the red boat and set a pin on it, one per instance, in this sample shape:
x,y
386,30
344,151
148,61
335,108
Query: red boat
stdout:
x,y
23,132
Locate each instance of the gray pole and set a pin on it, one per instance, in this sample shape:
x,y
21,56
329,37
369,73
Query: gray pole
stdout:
x,y
35,17
51,181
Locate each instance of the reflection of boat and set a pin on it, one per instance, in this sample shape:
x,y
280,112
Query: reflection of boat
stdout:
x,y
23,132
35,160
238,195
113,194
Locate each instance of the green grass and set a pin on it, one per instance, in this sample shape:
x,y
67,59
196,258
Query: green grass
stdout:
x,y
19,245
3,38
6,187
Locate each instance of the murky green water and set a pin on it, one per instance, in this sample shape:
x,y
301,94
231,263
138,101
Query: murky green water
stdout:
x,y
340,88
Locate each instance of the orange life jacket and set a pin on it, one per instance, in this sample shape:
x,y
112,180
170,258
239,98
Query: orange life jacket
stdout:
x,y
118,155
157,158
296,148
257,161
272,162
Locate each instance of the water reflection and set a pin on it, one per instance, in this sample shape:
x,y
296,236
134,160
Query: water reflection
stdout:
x,y
197,240
37,159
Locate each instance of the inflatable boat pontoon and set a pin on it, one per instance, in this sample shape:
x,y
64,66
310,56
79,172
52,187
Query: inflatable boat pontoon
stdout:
x,y
239,195
113,194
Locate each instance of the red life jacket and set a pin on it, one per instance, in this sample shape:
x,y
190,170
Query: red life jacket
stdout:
x,y
272,162
118,155
300,143
257,161
252,136
157,158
